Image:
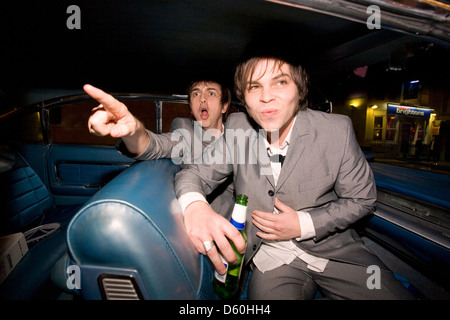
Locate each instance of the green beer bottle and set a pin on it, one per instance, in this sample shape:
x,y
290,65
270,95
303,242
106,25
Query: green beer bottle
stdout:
x,y
227,285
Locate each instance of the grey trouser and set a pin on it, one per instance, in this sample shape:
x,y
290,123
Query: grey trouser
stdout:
x,y
338,281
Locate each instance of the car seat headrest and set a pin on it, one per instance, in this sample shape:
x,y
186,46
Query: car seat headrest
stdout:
x,y
7,158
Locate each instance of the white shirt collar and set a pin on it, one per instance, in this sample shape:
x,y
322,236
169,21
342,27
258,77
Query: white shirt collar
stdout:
x,y
284,146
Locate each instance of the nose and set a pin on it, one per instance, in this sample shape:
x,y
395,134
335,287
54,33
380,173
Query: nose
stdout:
x,y
202,97
266,95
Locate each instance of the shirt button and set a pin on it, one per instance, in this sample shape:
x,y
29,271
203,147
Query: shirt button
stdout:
x,y
271,193
254,247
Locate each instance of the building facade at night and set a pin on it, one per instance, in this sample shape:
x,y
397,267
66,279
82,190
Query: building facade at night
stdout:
x,y
402,110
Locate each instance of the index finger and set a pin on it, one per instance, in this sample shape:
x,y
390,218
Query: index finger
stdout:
x,y
106,100
227,253
262,215
216,260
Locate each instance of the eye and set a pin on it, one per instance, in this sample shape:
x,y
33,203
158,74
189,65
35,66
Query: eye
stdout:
x,y
212,93
281,82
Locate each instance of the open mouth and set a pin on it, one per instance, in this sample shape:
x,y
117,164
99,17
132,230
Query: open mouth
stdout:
x,y
204,114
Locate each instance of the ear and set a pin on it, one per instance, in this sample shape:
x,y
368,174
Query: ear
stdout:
x,y
225,108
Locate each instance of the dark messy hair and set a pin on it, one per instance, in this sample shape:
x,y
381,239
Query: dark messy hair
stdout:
x,y
270,45
246,68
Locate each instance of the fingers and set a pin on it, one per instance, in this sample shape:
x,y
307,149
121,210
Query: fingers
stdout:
x,y
108,102
216,260
266,222
224,248
99,122
203,224
111,117
283,226
230,233
280,205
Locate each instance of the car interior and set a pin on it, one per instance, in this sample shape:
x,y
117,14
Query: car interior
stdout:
x,y
85,208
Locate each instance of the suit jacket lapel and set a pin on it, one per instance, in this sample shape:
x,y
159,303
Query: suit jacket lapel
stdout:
x,y
263,158
296,146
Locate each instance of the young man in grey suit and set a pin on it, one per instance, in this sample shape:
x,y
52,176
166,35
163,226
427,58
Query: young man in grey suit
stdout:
x,y
300,211
208,100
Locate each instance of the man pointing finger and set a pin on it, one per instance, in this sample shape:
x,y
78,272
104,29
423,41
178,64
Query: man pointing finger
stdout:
x,y
113,118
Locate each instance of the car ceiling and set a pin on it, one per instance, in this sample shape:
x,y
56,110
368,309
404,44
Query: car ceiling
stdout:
x,y
159,46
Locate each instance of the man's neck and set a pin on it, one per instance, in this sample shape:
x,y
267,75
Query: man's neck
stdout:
x,y
215,131
276,138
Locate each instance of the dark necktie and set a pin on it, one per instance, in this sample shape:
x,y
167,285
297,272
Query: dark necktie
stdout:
x,y
277,158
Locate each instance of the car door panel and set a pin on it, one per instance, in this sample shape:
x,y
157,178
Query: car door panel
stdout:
x,y
77,172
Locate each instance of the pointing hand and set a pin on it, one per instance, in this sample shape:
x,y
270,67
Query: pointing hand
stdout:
x,y
111,117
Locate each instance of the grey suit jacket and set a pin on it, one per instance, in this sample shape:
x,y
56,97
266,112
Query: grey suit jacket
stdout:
x,y
325,173
185,142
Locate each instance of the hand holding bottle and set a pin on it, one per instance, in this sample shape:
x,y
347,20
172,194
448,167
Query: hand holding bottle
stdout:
x,y
204,224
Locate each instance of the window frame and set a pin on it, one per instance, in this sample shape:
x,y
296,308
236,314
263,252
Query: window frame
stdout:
x,y
45,107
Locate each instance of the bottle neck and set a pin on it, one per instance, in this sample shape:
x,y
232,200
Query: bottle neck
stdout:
x,y
239,214
237,225
241,199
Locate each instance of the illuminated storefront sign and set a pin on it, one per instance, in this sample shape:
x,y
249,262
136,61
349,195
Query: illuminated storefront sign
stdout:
x,y
408,111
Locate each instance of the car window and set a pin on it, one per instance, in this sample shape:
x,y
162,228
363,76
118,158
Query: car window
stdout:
x,y
172,110
68,123
25,127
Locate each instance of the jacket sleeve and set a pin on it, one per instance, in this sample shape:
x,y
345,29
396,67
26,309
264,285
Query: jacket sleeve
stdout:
x,y
206,173
162,145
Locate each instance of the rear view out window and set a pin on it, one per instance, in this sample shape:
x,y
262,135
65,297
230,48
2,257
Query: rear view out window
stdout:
x,y
69,123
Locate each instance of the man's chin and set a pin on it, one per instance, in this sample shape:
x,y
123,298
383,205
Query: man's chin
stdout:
x,y
272,131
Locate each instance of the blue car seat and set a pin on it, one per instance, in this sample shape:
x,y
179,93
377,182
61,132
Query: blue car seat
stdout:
x,y
128,241
27,206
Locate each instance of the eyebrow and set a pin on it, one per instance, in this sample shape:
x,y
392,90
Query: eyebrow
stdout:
x,y
208,89
282,74
278,76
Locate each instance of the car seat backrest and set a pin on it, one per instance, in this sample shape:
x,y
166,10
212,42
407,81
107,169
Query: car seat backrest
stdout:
x,y
24,199
133,226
